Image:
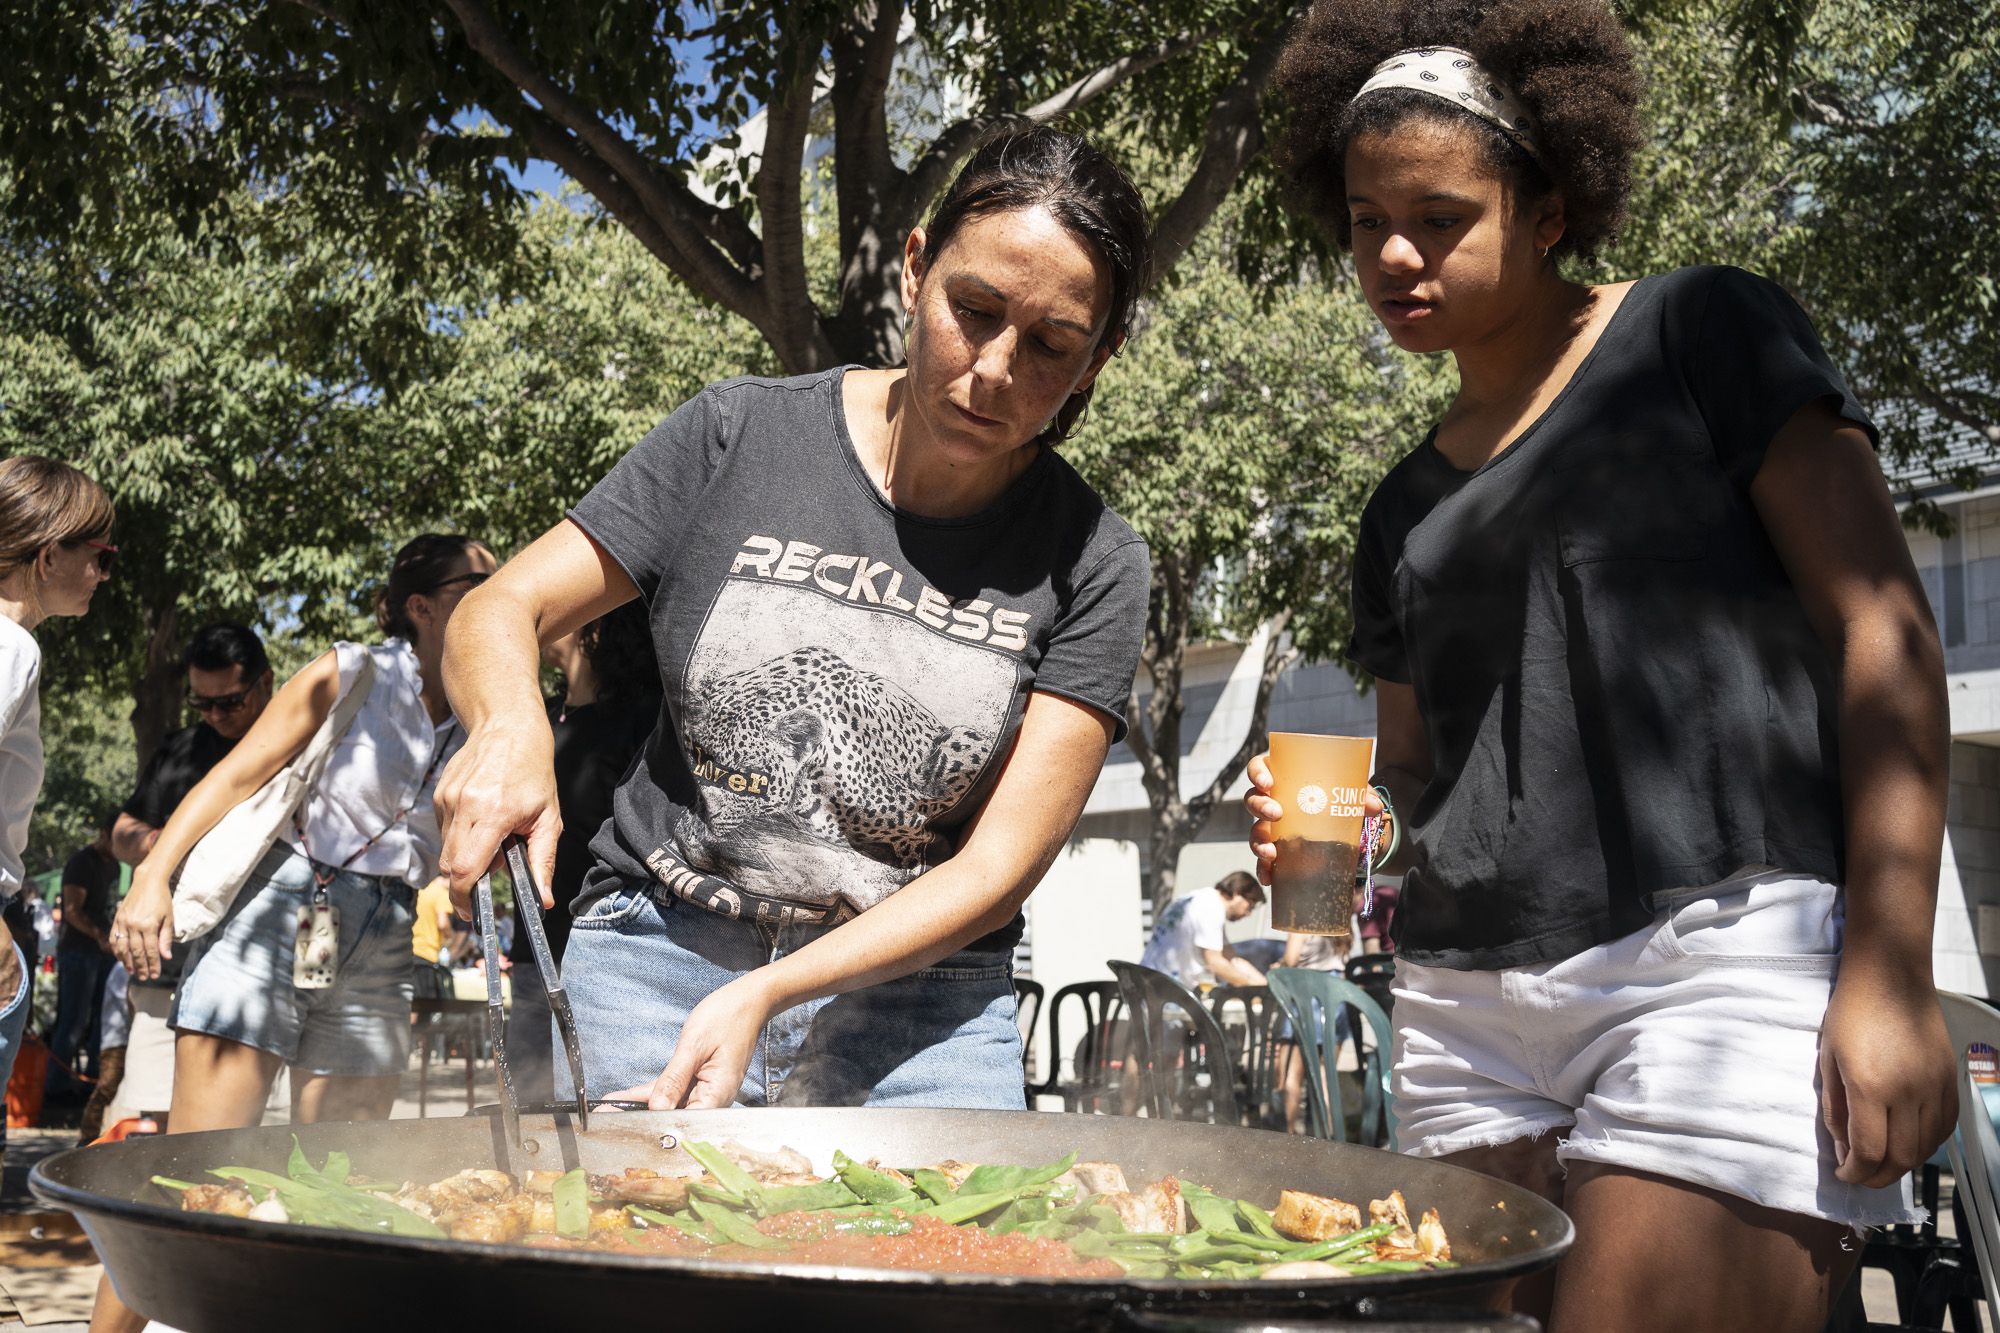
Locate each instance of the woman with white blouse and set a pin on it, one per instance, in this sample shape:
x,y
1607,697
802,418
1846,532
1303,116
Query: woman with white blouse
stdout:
x,y
364,838
53,554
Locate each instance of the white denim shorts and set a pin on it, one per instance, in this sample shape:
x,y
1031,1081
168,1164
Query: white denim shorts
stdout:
x,y
1688,1049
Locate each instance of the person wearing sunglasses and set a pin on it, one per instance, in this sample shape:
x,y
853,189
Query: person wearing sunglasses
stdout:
x,y
54,552
228,684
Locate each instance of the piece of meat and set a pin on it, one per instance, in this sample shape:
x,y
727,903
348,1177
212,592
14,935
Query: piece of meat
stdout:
x,y
1394,1211
650,1188
467,1189
1302,1269
771,1168
1431,1238
875,1165
1095,1178
495,1223
954,1170
1305,1216
1155,1209
270,1211
229,1200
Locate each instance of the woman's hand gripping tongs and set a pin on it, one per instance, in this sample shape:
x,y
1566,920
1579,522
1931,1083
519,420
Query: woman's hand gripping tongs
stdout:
x,y
528,910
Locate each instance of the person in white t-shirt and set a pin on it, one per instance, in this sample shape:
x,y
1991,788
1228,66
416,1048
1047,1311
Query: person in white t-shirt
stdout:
x,y
53,554
1188,942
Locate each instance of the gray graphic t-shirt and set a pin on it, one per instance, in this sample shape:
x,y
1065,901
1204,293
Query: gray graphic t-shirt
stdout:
x,y
843,680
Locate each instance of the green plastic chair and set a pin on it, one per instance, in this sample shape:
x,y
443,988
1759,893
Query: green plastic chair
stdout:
x,y
1313,1000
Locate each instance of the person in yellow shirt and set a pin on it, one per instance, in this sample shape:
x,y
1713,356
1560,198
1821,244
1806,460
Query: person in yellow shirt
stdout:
x,y
431,936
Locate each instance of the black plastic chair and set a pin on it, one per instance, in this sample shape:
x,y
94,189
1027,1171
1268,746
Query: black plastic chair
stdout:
x,y
1187,1067
1097,1064
1257,1013
1028,997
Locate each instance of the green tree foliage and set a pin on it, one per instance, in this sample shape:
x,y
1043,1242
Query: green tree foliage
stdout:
x,y
358,108
1850,149
266,477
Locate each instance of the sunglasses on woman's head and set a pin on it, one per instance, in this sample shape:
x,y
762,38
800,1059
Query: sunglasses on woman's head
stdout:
x,y
470,580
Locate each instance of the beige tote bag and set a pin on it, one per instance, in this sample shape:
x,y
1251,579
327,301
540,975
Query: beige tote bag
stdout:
x,y
221,863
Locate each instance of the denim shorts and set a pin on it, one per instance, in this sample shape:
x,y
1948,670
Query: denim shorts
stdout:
x,y
238,982
1688,1049
639,960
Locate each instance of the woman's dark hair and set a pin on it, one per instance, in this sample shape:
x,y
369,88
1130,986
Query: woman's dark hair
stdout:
x,y
220,647
1567,60
1083,190
620,648
420,567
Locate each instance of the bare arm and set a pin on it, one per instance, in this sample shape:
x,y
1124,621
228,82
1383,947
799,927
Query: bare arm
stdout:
x,y
144,930
132,839
503,781
1007,848
1886,1061
1230,969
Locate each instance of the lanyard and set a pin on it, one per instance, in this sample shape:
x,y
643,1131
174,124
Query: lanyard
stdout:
x,y
321,880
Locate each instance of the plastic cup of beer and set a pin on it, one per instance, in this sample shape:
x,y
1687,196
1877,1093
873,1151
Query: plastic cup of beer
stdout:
x,y
1321,781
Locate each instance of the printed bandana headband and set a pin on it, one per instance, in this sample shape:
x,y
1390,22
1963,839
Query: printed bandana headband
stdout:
x,y
1452,74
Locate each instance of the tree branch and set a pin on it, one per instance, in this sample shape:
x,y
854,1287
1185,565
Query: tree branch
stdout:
x,y
864,55
675,208
1956,412
1234,135
927,175
799,343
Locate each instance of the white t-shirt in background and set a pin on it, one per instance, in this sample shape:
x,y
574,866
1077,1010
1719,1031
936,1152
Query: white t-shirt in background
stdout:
x,y
20,749
1188,926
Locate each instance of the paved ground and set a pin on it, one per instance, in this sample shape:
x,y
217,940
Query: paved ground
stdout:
x,y
48,1267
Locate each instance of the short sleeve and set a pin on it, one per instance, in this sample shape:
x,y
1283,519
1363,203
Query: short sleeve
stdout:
x,y
1376,644
166,774
1094,651
1756,362
82,868
1206,922
634,512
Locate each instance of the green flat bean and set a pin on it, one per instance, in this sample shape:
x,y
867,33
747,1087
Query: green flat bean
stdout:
x,y
727,1173
1259,1220
571,1196
989,1179
734,1228
934,1184
965,1207
773,1199
870,1184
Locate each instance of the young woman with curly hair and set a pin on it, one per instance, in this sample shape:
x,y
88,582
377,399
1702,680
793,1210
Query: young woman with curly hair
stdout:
x,y
1657,689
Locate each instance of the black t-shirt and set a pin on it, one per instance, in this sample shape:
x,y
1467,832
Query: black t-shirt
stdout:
x,y
98,874
595,745
843,679
182,760
1621,691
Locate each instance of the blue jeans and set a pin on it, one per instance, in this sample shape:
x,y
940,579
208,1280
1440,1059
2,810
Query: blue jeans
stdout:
x,y
14,1022
639,961
238,982
80,977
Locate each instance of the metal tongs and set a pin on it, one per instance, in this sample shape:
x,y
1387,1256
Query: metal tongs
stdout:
x,y
528,908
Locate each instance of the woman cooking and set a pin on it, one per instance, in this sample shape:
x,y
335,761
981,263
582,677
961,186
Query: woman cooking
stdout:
x,y
896,632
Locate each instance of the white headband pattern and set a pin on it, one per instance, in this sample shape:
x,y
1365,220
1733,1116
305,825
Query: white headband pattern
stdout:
x,y
1452,74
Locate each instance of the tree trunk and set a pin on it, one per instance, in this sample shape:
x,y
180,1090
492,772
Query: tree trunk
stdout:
x,y
156,695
